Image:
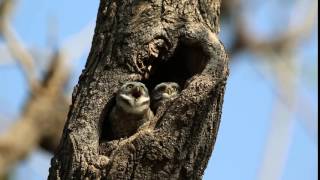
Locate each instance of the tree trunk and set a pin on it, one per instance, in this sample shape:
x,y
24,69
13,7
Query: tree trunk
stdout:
x,y
149,41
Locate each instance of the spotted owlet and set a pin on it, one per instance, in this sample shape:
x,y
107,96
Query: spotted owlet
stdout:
x,y
132,109
163,92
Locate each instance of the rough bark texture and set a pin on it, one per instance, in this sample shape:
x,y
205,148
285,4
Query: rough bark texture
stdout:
x,y
149,41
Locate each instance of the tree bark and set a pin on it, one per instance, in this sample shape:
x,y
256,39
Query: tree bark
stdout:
x,y
152,42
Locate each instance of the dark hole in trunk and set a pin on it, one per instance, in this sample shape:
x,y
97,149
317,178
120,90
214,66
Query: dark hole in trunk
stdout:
x,y
187,61
105,127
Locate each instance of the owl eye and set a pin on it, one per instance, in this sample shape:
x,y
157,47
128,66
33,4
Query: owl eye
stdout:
x,y
143,89
169,91
130,86
162,88
174,88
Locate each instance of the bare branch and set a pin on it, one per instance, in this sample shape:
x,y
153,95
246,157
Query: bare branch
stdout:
x,y
304,111
42,120
44,114
281,132
5,57
43,117
16,46
15,144
289,37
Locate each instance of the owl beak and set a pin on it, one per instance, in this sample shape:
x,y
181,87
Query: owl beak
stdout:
x,y
137,92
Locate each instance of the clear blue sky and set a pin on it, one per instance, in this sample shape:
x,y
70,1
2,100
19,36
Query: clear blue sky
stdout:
x,y
246,112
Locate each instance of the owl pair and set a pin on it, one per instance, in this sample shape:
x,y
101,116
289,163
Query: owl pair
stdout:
x,y
132,107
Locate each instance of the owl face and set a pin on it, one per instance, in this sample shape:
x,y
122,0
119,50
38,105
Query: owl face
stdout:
x,y
165,90
133,97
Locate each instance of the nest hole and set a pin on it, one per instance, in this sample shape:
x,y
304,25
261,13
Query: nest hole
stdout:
x,y
105,127
186,61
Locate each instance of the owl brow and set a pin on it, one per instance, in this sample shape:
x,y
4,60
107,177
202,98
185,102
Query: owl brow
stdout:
x,y
176,87
145,88
162,88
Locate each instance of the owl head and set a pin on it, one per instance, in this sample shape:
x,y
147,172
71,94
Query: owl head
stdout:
x,y
133,97
165,90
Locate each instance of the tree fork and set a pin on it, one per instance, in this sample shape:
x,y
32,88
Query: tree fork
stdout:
x,y
149,41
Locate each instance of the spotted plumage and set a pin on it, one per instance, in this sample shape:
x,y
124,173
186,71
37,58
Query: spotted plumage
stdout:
x,y
163,92
132,109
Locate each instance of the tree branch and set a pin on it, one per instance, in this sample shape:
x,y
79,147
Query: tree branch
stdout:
x,y
41,122
44,113
16,47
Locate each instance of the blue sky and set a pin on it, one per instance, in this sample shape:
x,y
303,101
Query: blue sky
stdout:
x,y
247,106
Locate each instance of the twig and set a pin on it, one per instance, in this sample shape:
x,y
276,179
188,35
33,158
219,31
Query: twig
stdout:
x,y
288,37
43,118
281,131
16,47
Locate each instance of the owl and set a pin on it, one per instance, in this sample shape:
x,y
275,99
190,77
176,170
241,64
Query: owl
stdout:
x,y
163,92
131,110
